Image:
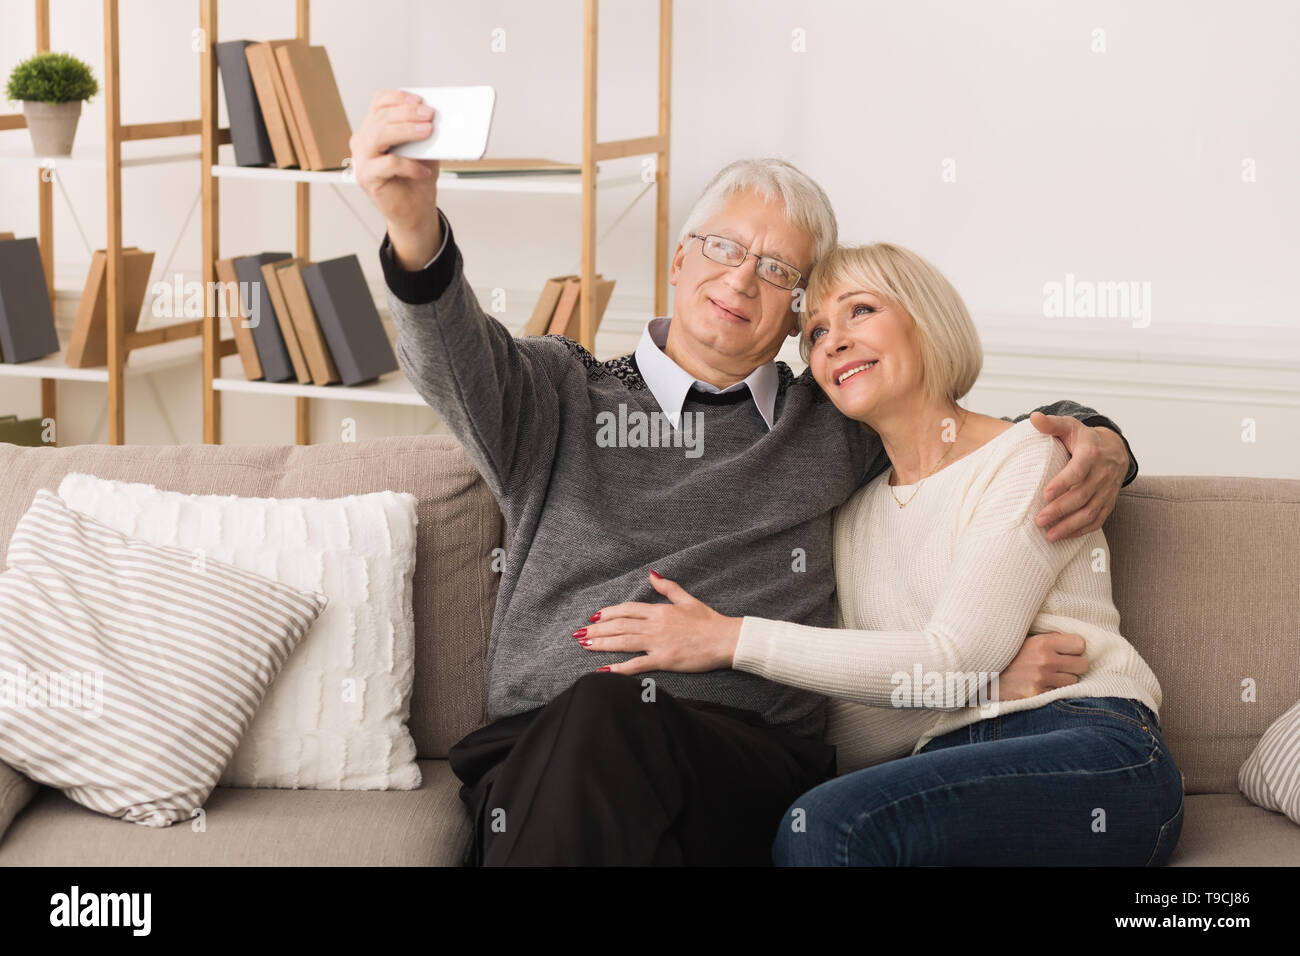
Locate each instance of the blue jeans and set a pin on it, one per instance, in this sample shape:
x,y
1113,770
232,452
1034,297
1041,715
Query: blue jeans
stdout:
x,y
1086,781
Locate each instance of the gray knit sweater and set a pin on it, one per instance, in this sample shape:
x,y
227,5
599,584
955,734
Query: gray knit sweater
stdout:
x,y
742,521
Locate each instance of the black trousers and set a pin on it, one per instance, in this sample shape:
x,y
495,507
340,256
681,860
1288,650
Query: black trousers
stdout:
x,y
601,776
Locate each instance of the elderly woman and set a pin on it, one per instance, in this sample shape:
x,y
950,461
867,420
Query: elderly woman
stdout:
x,y
956,573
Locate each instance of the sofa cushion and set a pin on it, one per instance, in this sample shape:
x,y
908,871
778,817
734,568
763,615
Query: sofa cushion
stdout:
x,y
1203,575
454,588
1224,829
424,827
16,791
335,718
130,675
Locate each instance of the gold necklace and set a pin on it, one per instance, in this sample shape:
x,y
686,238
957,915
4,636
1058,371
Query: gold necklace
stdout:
x,y
904,504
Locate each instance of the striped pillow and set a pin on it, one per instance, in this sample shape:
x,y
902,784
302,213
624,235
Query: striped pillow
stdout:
x,y
129,671
1270,777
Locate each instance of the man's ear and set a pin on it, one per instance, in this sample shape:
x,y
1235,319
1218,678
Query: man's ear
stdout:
x,y
676,267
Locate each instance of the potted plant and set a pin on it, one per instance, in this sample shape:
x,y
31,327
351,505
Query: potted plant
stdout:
x,y
51,87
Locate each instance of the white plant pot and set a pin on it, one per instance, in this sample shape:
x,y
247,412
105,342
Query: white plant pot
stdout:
x,y
52,126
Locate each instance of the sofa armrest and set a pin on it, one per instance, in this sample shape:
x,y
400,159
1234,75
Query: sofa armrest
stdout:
x,y
15,793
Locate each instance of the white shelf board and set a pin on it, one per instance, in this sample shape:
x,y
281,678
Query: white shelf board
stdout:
x,y
389,389
144,361
543,183
90,157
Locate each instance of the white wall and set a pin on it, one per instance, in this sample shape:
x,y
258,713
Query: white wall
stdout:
x,y
1122,165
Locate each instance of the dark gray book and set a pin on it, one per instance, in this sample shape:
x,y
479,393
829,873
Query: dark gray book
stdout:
x,y
247,128
26,319
267,338
349,320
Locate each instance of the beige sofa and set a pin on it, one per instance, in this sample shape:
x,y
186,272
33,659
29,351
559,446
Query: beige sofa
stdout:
x,y
1205,580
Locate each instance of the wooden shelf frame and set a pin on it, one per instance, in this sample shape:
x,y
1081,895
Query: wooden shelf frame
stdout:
x,y
120,345
387,390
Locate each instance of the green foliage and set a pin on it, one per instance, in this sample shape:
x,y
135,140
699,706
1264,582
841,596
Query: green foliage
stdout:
x,y
52,78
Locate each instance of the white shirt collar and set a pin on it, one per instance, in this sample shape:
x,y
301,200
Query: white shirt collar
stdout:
x,y
669,382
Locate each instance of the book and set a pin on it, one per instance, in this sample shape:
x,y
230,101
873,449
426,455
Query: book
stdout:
x,y
349,320
271,350
6,235
247,128
564,308
272,100
26,317
323,369
28,431
600,301
286,108
317,105
232,306
540,320
271,279
565,320
88,345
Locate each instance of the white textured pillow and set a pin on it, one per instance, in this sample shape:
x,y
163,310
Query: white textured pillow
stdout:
x,y
129,673
335,718
1270,777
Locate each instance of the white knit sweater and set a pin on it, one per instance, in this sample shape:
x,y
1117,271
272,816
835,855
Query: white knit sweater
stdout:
x,y
949,585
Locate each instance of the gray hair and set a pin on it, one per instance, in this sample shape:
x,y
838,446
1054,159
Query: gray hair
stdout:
x,y
806,205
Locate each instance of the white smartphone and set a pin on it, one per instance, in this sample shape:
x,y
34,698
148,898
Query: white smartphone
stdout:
x,y
462,119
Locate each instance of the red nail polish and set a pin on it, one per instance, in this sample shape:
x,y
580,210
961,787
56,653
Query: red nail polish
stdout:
x,y
654,573
584,641
594,618
580,632
601,670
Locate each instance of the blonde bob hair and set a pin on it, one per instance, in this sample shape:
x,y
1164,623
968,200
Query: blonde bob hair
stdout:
x,y
951,354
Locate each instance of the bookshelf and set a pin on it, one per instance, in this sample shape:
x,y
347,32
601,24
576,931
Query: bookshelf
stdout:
x,y
393,388
179,342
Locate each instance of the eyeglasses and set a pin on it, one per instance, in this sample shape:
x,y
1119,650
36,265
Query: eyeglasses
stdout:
x,y
731,253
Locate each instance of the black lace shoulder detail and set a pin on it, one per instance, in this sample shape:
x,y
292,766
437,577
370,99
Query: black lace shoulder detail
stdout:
x,y
803,380
622,368
785,376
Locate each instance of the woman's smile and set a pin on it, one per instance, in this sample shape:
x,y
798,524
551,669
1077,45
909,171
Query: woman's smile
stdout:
x,y
847,373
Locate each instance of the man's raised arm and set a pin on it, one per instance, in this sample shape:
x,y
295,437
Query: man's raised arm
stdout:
x,y
496,398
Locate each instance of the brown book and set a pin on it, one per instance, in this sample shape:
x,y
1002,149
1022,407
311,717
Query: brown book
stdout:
x,y
281,309
265,71
317,105
6,235
234,309
319,360
604,292
286,108
540,320
569,327
88,345
564,308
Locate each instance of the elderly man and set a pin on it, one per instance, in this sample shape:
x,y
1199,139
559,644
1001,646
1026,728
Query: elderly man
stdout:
x,y
582,767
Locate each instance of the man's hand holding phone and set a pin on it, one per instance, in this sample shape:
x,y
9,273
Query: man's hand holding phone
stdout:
x,y
404,190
